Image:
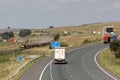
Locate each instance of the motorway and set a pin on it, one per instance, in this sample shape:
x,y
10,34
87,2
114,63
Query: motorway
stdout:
x,y
81,65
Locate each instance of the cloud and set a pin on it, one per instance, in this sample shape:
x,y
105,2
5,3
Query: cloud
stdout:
x,y
103,9
116,5
54,5
100,17
71,1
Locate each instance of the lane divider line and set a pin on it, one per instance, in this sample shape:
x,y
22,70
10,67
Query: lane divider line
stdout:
x,y
40,78
51,76
95,58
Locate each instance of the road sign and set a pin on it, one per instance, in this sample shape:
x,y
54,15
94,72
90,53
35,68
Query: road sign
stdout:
x,y
55,44
20,58
109,29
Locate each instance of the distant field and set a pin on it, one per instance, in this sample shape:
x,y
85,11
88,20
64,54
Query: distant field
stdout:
x,y
98,27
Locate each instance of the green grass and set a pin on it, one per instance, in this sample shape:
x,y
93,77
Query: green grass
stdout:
x,y
110,62
35,50
18,76
10,65
5,43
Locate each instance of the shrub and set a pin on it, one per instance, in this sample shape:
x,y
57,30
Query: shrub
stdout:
x,y
57,36
24,32
86,41
63,44
3,59
51,27
115,48
7,35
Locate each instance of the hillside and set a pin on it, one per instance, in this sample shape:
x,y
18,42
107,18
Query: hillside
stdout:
x,y
78,34
83,27
88,27
75,34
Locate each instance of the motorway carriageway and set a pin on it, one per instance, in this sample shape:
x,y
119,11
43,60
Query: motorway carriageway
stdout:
x,y
82,65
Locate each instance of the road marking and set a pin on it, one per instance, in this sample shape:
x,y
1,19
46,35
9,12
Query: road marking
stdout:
x,y
69,73
88,73
51,71
40,78
68,70
71,76
92,76
95,58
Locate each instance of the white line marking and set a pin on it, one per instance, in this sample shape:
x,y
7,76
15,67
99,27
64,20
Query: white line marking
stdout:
x,y
71,76
86,70
69,73
40,78
88,73
95,58
68,70
92,76
51,71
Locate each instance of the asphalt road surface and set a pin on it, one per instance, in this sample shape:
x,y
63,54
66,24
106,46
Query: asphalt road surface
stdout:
x,y
81,66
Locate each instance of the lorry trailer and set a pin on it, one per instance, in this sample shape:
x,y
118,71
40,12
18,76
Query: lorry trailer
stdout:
x,y
60,55
106,38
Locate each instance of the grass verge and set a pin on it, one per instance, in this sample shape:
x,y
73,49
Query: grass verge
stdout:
x,y
109,61
9,64
23,70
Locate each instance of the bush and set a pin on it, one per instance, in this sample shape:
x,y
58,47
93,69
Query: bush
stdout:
x,y
3,59
7,35
63,44
90,41
86,41
57,36
24,32
51,27
115,48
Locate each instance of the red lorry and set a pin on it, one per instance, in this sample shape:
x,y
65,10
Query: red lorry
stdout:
x,y
106,38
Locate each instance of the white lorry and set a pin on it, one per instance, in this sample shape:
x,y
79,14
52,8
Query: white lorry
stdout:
x,y
59,55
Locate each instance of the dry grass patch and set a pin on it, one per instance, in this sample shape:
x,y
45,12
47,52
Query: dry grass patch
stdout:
x,y
77,40
12,66
110,62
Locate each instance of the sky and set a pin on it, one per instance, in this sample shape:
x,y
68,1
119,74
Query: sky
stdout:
x,y
45,13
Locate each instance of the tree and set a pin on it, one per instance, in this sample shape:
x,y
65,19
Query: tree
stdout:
x,y
115,48
57,36
11,34
8,27
7,35
51,27
24,32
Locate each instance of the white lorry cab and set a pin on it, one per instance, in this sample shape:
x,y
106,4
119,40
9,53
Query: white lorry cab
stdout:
x,y
59,55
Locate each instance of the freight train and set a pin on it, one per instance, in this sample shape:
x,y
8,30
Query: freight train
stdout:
x,y
31,45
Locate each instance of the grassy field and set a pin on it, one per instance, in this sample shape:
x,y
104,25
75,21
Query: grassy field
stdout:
x,y
43,51
86,28
9,63
110,62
